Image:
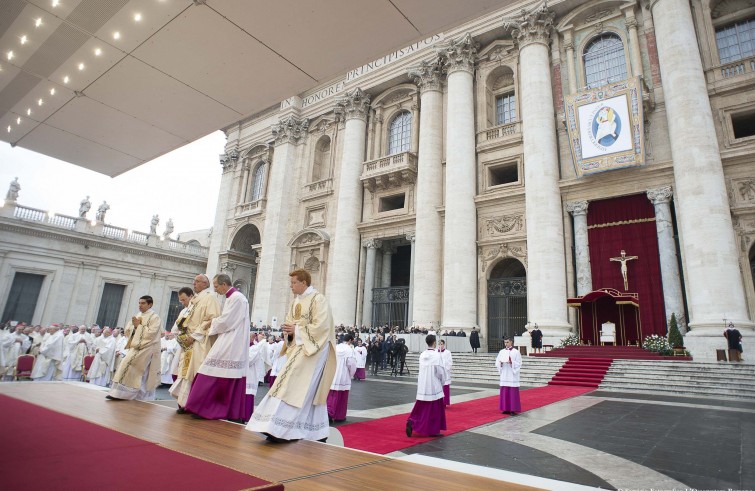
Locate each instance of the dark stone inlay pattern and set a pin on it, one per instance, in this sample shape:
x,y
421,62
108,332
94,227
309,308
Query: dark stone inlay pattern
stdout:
x,y
488,451
702,448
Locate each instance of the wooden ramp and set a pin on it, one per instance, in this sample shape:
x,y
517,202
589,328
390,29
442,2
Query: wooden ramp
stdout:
x,y
302,465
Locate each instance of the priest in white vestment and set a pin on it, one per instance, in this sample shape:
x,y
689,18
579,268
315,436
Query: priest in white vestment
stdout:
x,y
257,343
219,389
346,366
77,345
295,407
104,355
280,361
37,336
138,374
448,363
194,337
20,344
169,347
428,417
120,347
509,362
48,364
6,342
360,353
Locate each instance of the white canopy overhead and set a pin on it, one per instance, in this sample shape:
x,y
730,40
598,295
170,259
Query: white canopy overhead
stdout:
x,y
111,84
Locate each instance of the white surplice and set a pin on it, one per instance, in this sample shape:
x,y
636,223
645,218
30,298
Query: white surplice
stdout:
x,y
229,356
432,374
448,364
252,377
360,353
166,360
346,365
509,372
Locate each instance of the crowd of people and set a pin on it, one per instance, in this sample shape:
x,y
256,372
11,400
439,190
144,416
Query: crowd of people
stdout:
x,y
214,364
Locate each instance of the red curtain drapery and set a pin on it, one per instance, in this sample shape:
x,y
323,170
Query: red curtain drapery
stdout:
x,y
628,223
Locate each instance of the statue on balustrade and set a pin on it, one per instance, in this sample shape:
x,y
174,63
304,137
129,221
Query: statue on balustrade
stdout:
x,y
13,190
153,224
168,228
104,207
84,207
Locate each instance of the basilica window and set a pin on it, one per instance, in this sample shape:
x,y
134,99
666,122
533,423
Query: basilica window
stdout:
x,y
505,108
400,133
736,41
322,158
605,61
258,181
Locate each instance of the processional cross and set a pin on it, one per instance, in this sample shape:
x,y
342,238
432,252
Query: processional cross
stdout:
x,y
623,260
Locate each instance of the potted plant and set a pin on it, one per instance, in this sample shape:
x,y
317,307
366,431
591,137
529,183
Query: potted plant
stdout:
x,y
675,337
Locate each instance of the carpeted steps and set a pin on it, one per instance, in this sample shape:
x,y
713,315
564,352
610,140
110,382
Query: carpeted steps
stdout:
x,y
582,372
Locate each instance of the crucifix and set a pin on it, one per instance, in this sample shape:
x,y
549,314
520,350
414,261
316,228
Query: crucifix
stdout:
x,y
623,260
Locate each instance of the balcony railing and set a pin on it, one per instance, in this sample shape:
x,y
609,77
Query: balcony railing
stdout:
x,y
316,189
250,208
98,229
393,170
499,132
732,71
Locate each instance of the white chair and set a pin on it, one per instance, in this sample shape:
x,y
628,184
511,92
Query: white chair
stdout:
x,y
608,333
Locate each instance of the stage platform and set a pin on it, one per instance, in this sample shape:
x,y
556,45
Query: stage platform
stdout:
x,y
297,466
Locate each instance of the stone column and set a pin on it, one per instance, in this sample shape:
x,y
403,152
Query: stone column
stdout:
x,y
572,75
409,317
546,272
271,297
714,282
385,274
578,209
634,41
344,263
415,128
378,144
224,210
427,262
672,284
460,233
369,280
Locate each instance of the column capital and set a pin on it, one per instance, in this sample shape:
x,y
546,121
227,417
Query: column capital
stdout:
x,y
411,236
459,54
372,244
531,27
660,195
428,75
354,105
290,130
577,207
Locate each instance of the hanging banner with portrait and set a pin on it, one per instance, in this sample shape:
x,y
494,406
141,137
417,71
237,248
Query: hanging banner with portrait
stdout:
x,y
605,127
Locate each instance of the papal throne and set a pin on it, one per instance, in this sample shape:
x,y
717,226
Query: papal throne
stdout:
x,y
608,333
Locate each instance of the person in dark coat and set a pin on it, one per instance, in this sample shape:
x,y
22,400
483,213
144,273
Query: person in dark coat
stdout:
x,y
474,340
537,339
734,339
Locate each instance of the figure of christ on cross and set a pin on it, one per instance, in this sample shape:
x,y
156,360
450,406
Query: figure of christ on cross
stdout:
x,y
623,260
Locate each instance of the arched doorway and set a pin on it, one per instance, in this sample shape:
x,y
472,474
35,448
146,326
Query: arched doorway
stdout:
x,y
242,255
507,302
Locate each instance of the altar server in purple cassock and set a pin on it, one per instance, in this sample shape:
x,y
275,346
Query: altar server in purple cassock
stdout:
x,y
509,363
428,417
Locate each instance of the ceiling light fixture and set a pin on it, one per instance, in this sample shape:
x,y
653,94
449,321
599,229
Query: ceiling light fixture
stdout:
x,y
24,40
28,111
8,128
38,22
116,35
39,102
81,66
137,17
97,52
55,3
18,120
10,55
66,79
52,91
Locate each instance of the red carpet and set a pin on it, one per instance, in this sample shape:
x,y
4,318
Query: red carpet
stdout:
x,y
386,435
612,352
582,372
43,449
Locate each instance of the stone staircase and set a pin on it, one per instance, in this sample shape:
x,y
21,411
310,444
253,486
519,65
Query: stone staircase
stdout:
x,y
662,377
480,369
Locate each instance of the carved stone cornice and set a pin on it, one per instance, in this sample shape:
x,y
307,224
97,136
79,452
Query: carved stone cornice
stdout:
x,y
354,105
577,207
290,130
660,195
372,244
411,236
428,76
226,162
459,54
487,255
531,27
